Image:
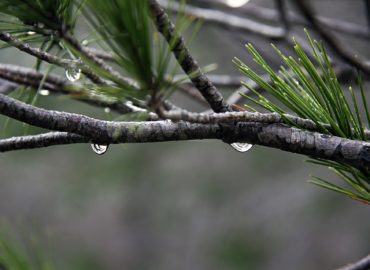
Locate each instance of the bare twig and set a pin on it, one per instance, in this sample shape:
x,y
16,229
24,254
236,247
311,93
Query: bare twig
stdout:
x,y
283,12
333,42
273,16
100,54
226,19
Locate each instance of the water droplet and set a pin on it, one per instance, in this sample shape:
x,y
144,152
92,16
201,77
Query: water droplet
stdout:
x,y
99,149
31,33
85,42
44,92
73,74
107,110
241,147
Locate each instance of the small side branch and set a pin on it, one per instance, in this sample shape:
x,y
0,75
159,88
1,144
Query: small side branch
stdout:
x,y
186,61
47,57
55,84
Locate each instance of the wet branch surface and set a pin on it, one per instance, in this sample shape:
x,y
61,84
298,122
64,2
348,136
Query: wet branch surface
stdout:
x,y
356,153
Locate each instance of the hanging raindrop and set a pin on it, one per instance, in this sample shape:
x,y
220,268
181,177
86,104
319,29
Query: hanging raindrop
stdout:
x,y
73,73
241,147
99,149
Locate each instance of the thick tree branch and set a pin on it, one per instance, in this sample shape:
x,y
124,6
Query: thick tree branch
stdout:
x,y
186,61
356,153
244,116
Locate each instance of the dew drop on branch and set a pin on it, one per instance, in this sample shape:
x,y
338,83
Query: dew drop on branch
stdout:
x,y
73,74
241,147
99,149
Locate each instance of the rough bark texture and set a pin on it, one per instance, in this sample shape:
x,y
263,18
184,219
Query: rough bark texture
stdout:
x,y
186,61
356,153
42,140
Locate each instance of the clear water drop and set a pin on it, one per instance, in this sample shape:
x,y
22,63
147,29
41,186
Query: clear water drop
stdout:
x,y
107,110
99,149
73,74
44,92
241,147
31,33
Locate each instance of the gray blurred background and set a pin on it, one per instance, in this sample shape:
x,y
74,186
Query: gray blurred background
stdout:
x,y
183,205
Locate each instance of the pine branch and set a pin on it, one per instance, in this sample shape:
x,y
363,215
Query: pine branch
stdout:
x,y
96,60
344,73
55,84
355,153
186,61
40,141
52,59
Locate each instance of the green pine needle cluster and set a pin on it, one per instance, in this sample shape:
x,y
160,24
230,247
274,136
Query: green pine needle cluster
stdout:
x,y
310,89
41,14
18,254
126,28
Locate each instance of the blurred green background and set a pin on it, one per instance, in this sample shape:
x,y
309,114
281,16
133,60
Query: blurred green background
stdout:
x,y
180,205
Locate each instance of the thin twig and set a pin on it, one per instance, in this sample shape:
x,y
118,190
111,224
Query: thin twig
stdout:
x,y
47,57
273,16
363,264
367,10
114,75
55,84
7,87
226,19
332,41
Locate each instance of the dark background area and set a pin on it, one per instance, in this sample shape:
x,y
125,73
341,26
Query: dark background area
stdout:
x,y
183,205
